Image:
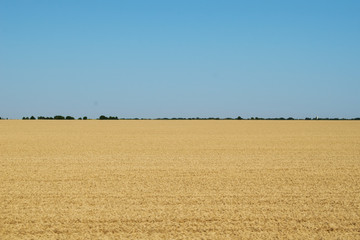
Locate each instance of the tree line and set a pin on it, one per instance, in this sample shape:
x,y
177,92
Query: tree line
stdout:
x,y
103,117
57,117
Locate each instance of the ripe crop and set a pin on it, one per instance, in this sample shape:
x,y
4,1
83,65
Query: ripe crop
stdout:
x,y
179,179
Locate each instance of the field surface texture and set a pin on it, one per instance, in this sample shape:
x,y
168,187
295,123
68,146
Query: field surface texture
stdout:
x,y
179,179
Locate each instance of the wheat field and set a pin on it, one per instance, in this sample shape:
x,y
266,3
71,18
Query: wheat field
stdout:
x,y
179,179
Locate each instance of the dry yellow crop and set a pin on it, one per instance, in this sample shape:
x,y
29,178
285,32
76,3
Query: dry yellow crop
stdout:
x,y
179,179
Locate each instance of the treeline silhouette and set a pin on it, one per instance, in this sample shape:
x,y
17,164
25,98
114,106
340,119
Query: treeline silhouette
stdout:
x,y
57,117
103,117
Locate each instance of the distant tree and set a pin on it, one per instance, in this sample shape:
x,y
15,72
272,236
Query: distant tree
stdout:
x,y
290,118
307,118
32,118
85,118
102,117
69,118
79,118
239,118
112,118
59,117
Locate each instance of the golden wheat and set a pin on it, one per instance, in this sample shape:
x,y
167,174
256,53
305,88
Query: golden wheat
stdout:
x,y
179,179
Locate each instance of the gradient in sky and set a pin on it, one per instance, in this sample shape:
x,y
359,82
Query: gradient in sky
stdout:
x,y
180,58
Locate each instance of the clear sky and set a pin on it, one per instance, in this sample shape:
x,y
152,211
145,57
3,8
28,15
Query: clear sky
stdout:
x,y
196,58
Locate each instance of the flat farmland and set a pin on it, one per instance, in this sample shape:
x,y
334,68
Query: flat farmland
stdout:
x,y
179,179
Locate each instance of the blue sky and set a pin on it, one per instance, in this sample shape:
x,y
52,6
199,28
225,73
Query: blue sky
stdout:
x,y
180,58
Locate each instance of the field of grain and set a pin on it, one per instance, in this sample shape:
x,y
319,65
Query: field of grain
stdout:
x,y
179,179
